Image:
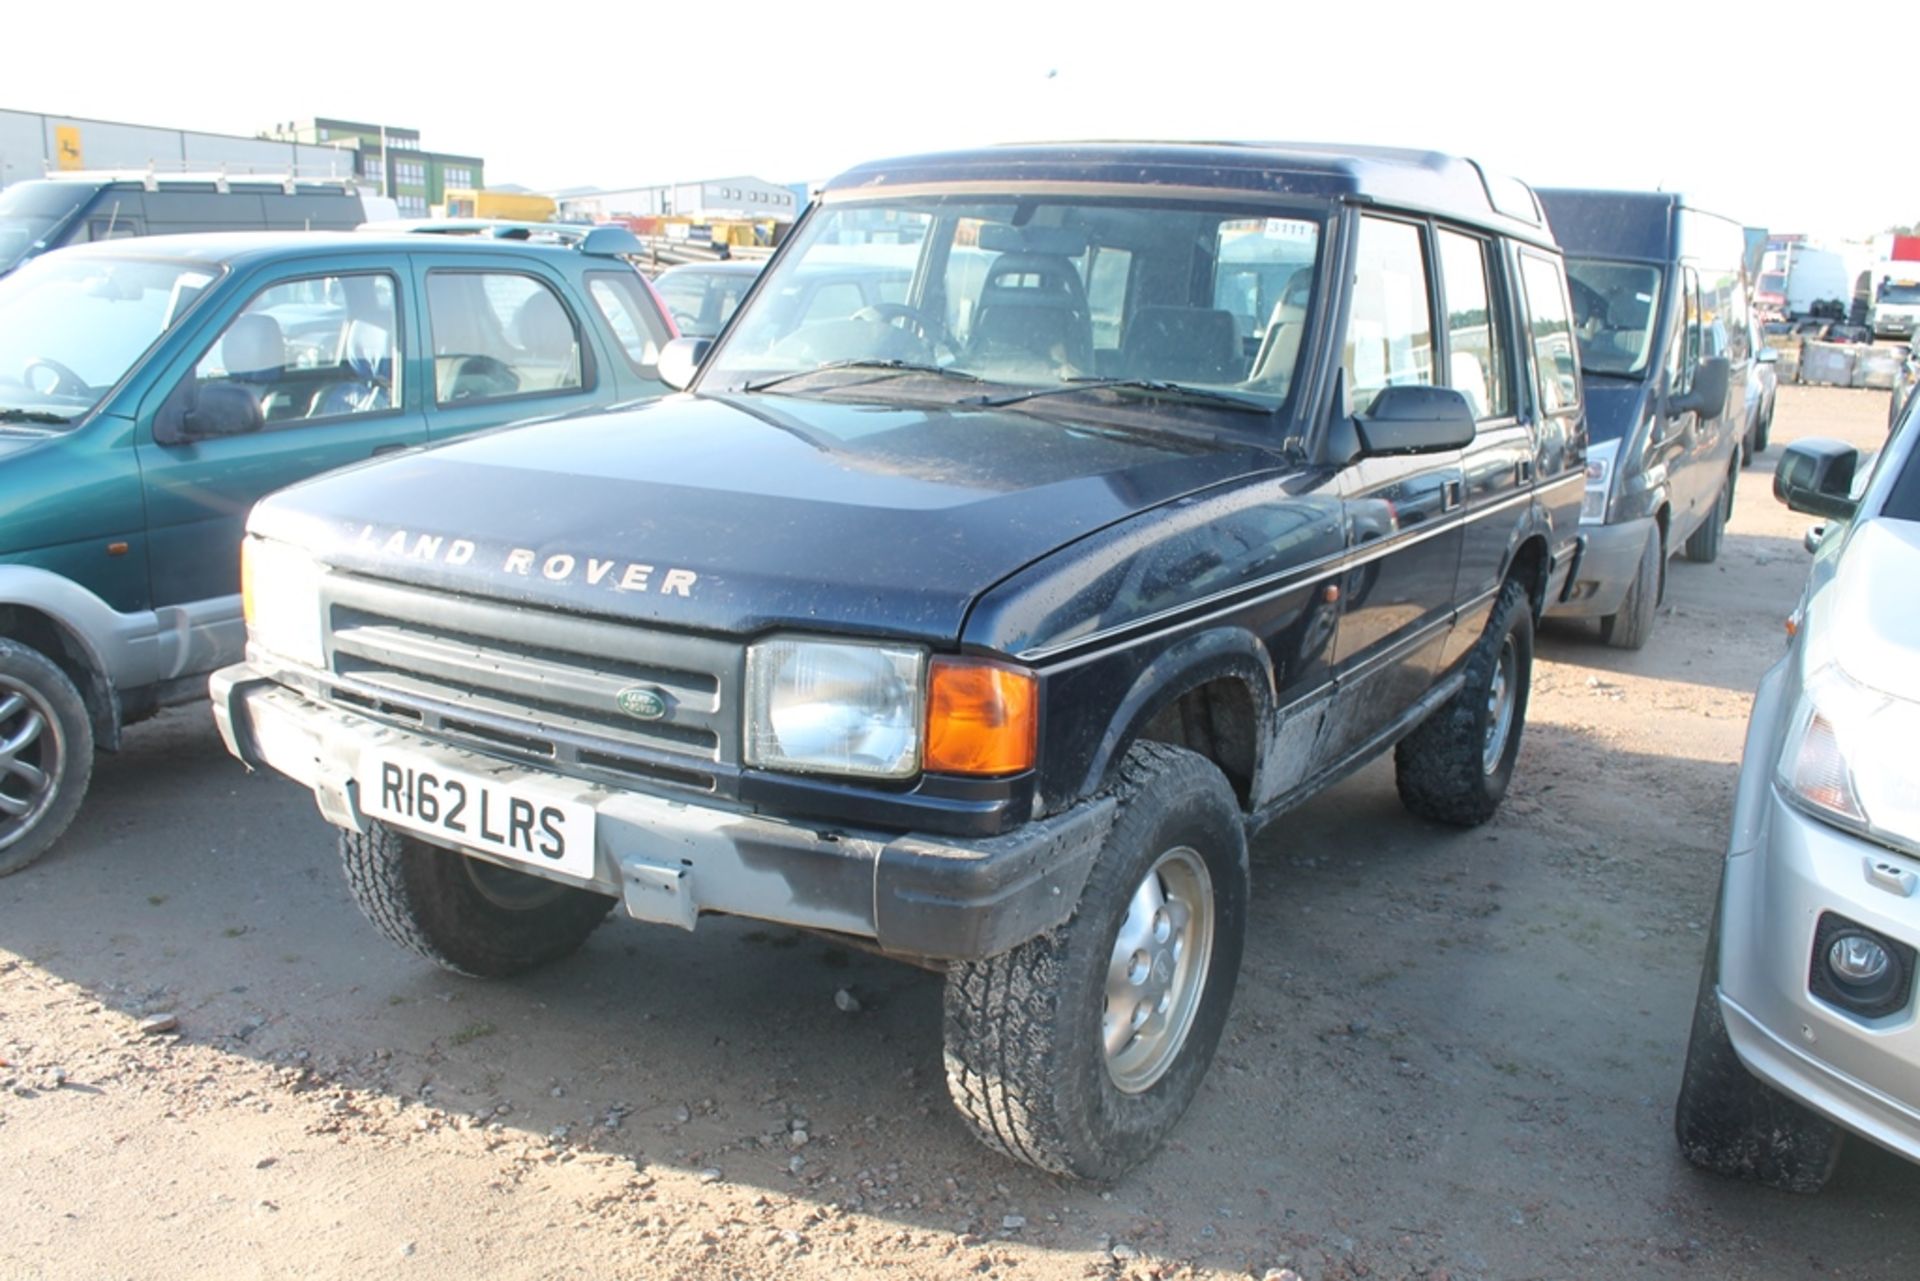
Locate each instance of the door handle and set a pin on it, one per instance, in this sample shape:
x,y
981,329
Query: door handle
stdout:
x,y
1523,471
1450,495
392,447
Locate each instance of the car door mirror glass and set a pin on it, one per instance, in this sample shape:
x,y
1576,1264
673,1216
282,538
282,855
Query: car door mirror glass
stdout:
x,y
1816,476
1708,395
1767,356
1415,419
219,409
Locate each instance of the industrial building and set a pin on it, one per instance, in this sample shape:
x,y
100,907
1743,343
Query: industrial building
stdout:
x,y
34,144
714,198
390,160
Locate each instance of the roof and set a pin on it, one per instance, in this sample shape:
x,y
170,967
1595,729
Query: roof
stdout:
x,y
1428,181
247,248
1613,224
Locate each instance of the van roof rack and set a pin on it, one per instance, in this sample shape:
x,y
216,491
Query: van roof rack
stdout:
x,y
150,178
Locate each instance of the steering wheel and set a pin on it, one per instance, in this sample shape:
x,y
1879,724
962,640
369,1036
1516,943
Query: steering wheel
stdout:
x,y
65,381
912,320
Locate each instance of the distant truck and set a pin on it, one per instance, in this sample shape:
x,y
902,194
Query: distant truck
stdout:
x,y
1798,282
1893,293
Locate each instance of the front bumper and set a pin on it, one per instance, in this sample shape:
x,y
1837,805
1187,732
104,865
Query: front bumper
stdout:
x,y
1606,569
1862,1073
671,860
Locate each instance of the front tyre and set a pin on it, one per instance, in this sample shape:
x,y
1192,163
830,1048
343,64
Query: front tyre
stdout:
x,y
464,914
1729,1121
46,754
1078,1051
1456,766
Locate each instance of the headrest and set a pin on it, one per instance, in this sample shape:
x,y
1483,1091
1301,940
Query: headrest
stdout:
x,y
541,327
253,345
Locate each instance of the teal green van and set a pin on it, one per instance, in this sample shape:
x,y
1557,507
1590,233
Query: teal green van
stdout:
x,y
151,390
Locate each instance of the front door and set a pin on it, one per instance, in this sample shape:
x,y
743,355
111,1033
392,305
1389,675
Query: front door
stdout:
x,y
320,358
1403,513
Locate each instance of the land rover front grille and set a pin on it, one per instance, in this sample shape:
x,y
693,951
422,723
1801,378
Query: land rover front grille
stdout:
x,y
588,696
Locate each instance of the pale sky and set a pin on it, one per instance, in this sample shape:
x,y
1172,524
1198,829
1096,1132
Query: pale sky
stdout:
x,y
1688,95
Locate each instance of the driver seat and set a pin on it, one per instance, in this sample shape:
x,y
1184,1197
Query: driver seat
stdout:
x,y
1033,313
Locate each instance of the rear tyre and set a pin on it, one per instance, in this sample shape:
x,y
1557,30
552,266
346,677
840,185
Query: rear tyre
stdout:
x,y
1456,766
46,754
1703,545
1078,1051
1630,627
1729,1121
461,913
1763,429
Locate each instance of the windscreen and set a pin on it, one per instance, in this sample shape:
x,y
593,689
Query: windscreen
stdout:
x,y
1900,292
1615,307
73,323
1772,282
30,210
1034,295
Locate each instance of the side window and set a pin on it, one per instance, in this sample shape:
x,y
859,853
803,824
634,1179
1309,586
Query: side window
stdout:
x,y
319,347
1684,354
1476,347
1390,319
499,333
1550,332
622,302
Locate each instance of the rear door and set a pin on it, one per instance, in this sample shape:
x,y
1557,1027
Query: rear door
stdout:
x,y
321,351
1496,469
1396,595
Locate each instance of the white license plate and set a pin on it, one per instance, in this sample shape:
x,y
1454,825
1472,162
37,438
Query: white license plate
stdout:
x,y
523,819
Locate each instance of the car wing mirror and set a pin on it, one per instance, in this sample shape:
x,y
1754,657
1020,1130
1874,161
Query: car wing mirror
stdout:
x,y
1415,420
208,412
1815,476
680,361
1708,395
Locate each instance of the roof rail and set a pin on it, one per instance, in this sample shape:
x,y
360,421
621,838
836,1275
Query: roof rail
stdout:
x,y
601,241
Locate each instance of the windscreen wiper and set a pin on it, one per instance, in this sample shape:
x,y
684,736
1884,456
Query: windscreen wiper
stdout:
x,y
34,416
1151,387
884,366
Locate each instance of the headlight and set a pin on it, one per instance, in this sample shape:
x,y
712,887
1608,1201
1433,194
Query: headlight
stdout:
x,y
1847,758
280,596
835,707
1600,457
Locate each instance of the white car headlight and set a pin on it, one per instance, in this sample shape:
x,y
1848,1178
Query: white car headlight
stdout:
x,y
835,707
280,596
1600,458
1848,758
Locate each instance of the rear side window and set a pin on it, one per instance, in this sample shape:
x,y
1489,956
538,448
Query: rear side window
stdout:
x,y
500,333
1550,331
1476,349
623,303
1390,320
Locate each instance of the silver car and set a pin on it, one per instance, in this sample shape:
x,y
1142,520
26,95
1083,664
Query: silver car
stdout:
x,y
1805,1029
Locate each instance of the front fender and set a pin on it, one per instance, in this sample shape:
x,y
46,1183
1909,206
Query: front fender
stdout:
x,y
121,647
1223,653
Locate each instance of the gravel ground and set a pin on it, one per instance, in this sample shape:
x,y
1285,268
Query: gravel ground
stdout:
x,y
1453,1054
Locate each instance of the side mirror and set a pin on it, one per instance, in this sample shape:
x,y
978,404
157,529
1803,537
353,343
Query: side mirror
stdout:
x,y
680,361
207,412
1415,420
1815,476
1709,395
1767,356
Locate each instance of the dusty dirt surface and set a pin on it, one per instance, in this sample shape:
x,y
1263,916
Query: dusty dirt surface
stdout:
x,y
1453,1054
